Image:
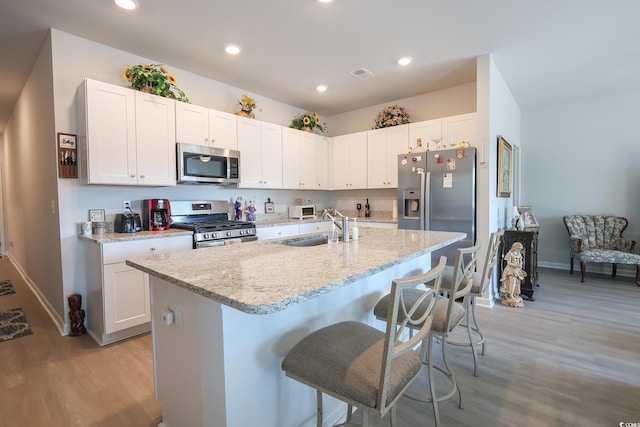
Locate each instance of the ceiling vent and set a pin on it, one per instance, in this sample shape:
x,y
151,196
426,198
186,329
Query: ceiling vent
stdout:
x,y
362,73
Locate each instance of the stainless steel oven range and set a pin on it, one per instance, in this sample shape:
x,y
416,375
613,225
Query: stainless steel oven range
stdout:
x,y
209,221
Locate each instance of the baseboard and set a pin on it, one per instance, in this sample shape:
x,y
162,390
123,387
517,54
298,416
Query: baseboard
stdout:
x,y
57,320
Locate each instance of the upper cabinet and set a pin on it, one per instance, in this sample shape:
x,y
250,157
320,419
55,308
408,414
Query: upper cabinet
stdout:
x,y
349,154
426,135
298,159
128,137
323,152
444,133
460,128
383,147
204,126
260,146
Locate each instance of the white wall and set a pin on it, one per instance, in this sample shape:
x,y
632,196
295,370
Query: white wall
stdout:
x,y
30,184
498,114
581,158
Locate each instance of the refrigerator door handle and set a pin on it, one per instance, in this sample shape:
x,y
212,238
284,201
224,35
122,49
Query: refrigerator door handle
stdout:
x,y
425,187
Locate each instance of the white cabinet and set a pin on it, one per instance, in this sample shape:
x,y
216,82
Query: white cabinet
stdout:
x,y
155,140
277,231
383,147
127,137
298,159
289,230
205,126
315,227
323,155
349,154
117,296
426,135
444,133
260,146
460,128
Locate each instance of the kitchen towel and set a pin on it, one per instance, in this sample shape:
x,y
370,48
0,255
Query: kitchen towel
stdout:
x,y
6,288
13,324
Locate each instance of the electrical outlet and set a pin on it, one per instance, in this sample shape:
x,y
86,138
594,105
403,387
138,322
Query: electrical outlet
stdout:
x,y
126,204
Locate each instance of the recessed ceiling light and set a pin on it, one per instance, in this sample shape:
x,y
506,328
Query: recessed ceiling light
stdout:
x,y
321,88
324,1
127,4
232,49
405,60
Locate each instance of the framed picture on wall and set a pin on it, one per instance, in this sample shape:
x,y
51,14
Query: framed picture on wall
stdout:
x,y
527,217
505,168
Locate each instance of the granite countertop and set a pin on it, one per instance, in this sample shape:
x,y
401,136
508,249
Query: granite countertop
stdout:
x,y
140,235
265,276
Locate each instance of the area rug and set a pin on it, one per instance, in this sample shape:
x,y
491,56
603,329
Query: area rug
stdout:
x,y
6,288
13,324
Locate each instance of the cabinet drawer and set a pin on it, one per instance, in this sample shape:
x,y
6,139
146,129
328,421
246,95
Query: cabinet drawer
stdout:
x,y
119,252
315,227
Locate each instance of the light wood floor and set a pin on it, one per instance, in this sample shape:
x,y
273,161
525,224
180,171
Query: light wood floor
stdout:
x,y
572,358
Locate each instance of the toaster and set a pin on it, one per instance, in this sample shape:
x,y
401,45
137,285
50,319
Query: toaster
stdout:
x,y
127,223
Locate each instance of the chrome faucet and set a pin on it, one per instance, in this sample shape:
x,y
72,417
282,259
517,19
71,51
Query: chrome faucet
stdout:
x,y
342,225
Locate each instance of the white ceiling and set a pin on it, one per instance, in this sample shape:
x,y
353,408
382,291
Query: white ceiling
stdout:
x,y
548,51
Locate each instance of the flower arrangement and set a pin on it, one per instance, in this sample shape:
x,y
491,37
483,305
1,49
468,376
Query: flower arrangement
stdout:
x,y
154,79
308,120
247,105
392,116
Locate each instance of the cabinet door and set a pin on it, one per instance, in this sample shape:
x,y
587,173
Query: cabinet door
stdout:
x,y
377,168
291,166
192,124
277,232
357,148
307,160
126,297
340,162
155,140
397,143
271,137
223,131
250,147
323,145
428,133
461,128
111,134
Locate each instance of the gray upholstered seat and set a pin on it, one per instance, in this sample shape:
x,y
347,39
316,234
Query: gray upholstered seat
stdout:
x,y
480,284
352,361
447,314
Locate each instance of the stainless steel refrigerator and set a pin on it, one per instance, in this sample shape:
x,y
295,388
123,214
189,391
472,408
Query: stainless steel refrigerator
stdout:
x,y
437,191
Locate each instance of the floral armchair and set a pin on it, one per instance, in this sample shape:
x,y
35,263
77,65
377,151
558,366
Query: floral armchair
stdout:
x,y
598,238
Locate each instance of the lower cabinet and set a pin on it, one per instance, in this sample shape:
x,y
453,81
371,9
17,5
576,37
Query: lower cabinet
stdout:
x,y
289,230
117,296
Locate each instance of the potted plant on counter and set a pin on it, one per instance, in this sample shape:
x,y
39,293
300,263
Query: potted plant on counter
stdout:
x,y
154,79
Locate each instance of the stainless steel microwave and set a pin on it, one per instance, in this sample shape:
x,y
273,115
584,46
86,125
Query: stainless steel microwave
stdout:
x,y
199,164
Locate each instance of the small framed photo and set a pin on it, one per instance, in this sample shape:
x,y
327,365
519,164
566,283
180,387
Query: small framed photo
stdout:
x,y
67,140
527,217
96,215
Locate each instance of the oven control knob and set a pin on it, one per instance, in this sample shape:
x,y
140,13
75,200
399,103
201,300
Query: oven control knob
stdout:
x,y
214,235
206,235
241,232
228,233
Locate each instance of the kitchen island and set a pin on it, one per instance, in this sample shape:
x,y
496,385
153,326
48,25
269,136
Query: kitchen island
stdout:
x,y
224,317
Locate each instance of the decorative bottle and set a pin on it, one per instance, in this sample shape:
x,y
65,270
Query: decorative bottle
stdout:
x,y
367,209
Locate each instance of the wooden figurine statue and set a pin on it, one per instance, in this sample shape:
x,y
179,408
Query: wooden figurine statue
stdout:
x,y
76,315
512,275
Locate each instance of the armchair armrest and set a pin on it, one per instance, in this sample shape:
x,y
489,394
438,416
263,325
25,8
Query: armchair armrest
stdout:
x,y
622,244
575,245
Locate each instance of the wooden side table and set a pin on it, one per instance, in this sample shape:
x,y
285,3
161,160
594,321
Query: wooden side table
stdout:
x,y
529,239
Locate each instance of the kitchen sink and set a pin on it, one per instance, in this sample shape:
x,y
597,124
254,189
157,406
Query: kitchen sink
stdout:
x,y
305,241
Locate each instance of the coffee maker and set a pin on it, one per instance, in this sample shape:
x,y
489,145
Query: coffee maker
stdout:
x,y
156,214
